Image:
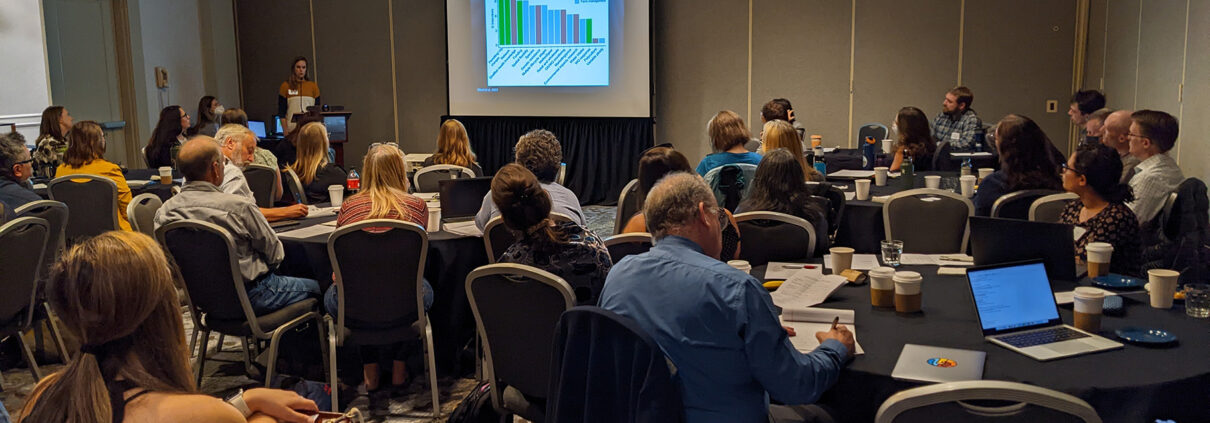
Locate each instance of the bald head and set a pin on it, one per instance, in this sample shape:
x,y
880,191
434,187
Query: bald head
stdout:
x,y
200,159
238,144
1117,125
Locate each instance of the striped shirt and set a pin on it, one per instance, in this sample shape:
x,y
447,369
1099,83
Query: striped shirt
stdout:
x,y
1153,180
965,126
357,208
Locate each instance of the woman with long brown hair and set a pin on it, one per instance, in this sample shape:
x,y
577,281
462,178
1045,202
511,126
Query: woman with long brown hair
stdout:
x,y
295,94
781,134
454,148
209,112
86,155
52,140
116,292
1026,162
312,165
169,133
915,140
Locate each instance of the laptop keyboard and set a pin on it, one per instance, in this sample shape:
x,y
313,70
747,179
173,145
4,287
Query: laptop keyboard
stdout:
x,y
1040,337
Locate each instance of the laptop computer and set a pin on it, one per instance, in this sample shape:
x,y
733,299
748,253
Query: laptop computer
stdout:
x,y
258,128
1017,310
922,363
461,198
996,240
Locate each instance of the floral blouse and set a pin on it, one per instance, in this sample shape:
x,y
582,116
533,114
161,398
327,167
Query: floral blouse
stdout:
x,y
48,154
583,261
1115,225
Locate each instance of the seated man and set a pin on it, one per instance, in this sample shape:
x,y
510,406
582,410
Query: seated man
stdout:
x,y
540,152
1083,105
1115,133
1152,134
957,122
239,147
718,325
259,250
16,167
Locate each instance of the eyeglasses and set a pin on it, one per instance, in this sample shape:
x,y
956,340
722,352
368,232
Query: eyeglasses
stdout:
x,y
1128,134
1064,167
30,160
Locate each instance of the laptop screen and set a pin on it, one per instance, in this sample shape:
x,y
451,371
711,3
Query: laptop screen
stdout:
x,y
1012,296
257,128
462,198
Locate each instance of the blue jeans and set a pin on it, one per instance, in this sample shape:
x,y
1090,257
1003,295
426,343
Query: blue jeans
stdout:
x,y
275,292
331,304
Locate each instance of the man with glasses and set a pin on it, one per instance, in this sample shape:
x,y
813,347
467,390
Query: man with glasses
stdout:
x,y
16,167
1152,134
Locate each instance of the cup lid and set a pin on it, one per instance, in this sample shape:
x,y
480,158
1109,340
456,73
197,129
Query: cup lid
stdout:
x,y
1088,292
840,250
738,263
881,168
882,272
967,177
335,187
908,276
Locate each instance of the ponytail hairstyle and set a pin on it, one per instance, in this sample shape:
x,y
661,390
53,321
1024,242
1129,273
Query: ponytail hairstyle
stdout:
x,y
1102,168
116,293
525,206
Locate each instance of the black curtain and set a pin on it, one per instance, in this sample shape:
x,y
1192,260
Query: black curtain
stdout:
x,y
602,154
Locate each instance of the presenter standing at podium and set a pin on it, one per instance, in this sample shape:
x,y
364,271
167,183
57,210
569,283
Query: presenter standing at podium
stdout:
x,y
296,94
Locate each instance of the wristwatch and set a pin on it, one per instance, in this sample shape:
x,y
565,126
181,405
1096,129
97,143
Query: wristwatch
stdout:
x,y
237,401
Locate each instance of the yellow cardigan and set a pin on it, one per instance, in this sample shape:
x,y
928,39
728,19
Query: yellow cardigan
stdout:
x,y
101,167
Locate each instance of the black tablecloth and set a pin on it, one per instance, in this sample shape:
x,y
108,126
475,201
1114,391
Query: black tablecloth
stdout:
x,y
1133,384
861,226
154,187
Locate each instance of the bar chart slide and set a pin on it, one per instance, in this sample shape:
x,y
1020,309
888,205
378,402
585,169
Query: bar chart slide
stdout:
x,y
552,43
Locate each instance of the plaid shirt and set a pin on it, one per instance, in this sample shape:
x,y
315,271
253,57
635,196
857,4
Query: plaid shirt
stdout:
x,y
1153,180
966,126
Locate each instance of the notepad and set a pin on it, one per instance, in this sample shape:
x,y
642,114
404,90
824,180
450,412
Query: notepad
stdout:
x,y
806,322
777,270
852,173
805,289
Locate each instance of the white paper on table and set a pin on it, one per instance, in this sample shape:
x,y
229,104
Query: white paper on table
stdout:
x,y
136,183
829,149
1078,232
806,323
850,196
852,173
426,196
307,232
880,198
1067,297
39,186
466,228
894,174
860,261
951,271
313,211
805,289
911,259
972,154
777,270
332,223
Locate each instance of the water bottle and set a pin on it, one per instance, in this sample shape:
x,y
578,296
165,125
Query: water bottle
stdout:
x,y
908,172
353,183
821,165
867,154
968,166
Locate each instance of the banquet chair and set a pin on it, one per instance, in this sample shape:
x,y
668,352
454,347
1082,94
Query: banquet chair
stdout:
x,y
835,200
876,130
772,236
141,213
426,179
24,239
943,159
928,221
622,245
1049,208
730,183
217,295
497,237
1016,205
951,401
262,180
629,204
94,199
56,216
516,309
295,186
379,282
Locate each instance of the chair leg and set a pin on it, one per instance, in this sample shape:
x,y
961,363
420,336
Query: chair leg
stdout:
x,y
431,363
29,357
248,368
193,338
56,334
219,348
201,358
332,379
273,344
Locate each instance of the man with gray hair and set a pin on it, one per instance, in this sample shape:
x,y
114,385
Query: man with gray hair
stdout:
x,y
16,167
238,144
539,151
716,324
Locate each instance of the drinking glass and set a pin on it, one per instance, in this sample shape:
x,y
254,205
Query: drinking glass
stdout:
x,y
891,250
1197,300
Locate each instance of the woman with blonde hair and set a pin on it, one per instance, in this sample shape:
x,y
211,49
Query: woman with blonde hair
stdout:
x,y
116,293
86,155
454,148
781,134
312,165
728,134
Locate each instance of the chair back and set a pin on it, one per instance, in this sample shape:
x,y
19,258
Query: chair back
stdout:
x,y
607,369
623,245
629,204
427,178
943,160
928,221
295,186
772,236
379,266
497,238
950,402
731,183
24,240
55,213
1016,205
834,198
208,263
876,130
262,180
95,200
141,213
516,310
1049,208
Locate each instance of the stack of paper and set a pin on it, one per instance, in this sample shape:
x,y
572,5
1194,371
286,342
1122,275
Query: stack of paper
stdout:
x,y
313,211
806,322
936,259
805,289
780,271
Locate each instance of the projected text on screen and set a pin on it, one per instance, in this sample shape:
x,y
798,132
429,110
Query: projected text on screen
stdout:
x,y
548,44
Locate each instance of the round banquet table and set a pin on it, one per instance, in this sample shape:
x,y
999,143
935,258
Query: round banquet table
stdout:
x,y
1132,384
861,225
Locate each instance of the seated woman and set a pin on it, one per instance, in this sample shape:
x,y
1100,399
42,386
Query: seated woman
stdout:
x,y
116,293
86,155
564,248
1025,163
778,187
169,133
208,112
659,161
52,141
915,140
312,164
728,134
1093,173
384,196
454,148
780,134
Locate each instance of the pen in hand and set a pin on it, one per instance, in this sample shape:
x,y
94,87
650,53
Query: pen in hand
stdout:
x,y
835,321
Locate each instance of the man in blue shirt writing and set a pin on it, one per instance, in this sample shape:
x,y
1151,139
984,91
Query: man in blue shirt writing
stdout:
x,y
716,324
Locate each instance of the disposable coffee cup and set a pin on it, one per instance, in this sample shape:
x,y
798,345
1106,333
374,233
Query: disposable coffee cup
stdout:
x,y
1163,286
1098,258
967,182
741,265
434,223
880,175
888,145
336,195
842,259
863,189
1088,303
932,181
907,292
166,175
984,172
882,287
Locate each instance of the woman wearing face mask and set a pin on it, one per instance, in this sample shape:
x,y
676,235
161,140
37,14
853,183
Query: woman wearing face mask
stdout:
x,y
208,112
296,93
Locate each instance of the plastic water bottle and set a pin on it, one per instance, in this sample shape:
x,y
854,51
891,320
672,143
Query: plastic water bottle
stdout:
x,y
867,153
968,167
353,183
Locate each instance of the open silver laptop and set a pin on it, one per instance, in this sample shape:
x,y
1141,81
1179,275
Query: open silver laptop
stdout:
x,y
922,363
1017,310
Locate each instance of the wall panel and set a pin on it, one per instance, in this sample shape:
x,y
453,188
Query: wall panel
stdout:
x,y
420,72
1161,54
271,34
1121,53
1193,146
